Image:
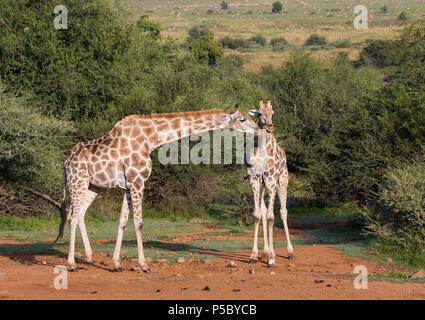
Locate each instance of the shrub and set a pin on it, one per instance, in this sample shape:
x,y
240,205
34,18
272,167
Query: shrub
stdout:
x,y
258,39
227,43
224,5
402,16
380,53
277,42
402,57
151,27
326,131
398,215
236,60
203,47
78,72
344,43
315,40
277,7
30,144
234,44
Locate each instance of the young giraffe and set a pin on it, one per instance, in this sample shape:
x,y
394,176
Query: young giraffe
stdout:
x,y
266,167
121,159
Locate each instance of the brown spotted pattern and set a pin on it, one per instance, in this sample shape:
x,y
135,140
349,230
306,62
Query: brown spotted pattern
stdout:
x,y
267,168
121,159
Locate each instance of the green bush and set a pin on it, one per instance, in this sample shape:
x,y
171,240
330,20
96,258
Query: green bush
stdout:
x,y
151,27
31,145
324,127
33,149
277,7
79,72
277,42
380,53
203,47
343,43
402,16
398,215
234,44
236,60
259,40
315,40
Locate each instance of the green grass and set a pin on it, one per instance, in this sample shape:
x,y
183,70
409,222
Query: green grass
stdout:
x,y
395,277
25,224
334,20
254,10
410,257
159,234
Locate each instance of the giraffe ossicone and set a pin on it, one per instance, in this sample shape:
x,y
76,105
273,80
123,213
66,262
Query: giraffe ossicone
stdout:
x,y
121,159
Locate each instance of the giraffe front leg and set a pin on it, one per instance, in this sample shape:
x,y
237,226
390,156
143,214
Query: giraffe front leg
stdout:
x,y
255,186
289,248
264,222
136,197
270,222
254,254
121,228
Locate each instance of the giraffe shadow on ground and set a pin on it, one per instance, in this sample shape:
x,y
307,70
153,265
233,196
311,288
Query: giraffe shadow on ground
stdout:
x,y
26,253
29,253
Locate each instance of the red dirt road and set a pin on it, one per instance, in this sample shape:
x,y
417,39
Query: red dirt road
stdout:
x,y
318,272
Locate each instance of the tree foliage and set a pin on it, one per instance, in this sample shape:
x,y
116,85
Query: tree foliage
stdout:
x,y
77,73
277,7
203,47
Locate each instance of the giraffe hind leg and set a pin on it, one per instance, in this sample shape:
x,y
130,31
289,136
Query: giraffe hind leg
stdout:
x,y
90,197
78,190
255,186
136,190
282,193
121,228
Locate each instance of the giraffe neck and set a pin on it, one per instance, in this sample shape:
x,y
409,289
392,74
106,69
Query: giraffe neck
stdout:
x,y
165,128
264,137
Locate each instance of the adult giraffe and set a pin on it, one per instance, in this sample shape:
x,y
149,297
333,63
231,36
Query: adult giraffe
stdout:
x,y
267,168
121,159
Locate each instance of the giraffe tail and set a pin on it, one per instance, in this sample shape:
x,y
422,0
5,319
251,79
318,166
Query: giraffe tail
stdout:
x,y
63,213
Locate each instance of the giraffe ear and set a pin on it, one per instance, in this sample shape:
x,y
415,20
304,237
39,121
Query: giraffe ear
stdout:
x,y
254,113
234,115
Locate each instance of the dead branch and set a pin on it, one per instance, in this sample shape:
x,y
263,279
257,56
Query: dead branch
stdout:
x,y
46,197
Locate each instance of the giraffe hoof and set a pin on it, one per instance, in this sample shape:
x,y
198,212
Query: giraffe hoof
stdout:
x,y
148,271
117,270
73,270
252,261
271,262
291,256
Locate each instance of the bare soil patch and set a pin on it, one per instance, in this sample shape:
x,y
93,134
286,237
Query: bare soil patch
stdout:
x,y
318,272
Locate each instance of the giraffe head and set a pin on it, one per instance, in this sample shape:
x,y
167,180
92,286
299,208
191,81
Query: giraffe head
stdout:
x,y
264,115
240,122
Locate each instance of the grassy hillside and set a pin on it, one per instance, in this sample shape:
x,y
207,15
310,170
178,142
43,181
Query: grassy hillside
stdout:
x,y
299,19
